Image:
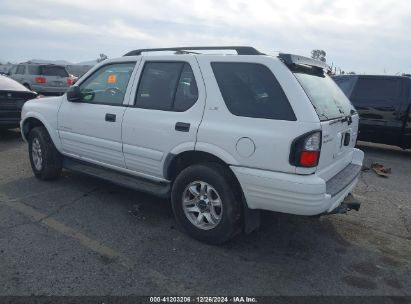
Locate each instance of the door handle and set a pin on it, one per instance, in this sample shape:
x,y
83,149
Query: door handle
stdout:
x,y
182,127
110,117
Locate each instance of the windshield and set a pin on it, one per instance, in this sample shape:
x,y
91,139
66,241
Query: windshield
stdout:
x,y
325,95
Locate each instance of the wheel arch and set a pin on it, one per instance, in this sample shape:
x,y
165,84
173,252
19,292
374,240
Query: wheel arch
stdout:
x,y
33,121
175,163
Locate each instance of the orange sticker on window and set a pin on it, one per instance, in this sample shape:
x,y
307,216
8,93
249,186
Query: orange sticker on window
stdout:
x,y
111,79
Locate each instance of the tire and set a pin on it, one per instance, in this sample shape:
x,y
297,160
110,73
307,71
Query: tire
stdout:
x,y
27,86
50,164
218,181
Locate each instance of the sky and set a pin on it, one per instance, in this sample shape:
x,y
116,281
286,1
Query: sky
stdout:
x,y
364,36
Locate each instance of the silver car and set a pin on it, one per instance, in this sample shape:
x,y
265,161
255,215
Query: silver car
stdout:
x,y
43,78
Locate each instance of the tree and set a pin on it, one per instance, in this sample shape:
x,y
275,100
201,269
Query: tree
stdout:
x,y
319,55
102,58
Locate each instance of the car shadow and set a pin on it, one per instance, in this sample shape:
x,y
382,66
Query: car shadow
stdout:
x,y
9,135
380,148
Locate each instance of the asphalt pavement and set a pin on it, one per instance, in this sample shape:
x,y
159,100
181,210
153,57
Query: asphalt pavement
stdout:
x,y
82,236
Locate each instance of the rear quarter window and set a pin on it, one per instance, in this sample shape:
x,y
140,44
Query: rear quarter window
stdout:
x,y
20,69
251,90
345,84
377,90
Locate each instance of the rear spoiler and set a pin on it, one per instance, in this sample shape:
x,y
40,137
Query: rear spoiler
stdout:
x,y
290,59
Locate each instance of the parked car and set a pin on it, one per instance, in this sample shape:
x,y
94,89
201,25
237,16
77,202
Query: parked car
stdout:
x,y
43,78
383,103
222,136
12,97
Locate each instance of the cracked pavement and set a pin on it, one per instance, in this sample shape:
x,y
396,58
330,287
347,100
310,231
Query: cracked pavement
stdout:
x,y
82,236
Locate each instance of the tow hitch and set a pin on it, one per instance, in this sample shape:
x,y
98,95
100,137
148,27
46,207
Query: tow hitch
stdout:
x,y
349,203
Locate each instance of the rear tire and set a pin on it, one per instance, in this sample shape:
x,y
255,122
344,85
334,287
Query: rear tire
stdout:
x,y
204,203
27,86
45,160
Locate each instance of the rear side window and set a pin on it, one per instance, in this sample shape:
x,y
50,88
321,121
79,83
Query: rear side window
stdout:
x,y
377,90
251,90
53,71
34,70
167,86
20,69
187,91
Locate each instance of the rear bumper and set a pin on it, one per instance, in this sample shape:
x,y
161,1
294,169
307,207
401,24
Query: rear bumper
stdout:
x,y
298,194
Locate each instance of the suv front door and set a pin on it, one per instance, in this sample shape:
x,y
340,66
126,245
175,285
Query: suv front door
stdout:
x,y
91,128
164,114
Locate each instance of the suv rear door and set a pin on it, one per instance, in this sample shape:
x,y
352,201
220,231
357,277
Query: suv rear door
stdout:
x,y
164,114
378,100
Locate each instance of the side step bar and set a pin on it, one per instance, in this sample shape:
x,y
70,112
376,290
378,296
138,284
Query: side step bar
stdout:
x,y
349,203
160,189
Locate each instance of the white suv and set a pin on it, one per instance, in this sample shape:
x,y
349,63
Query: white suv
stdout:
x,y
223,135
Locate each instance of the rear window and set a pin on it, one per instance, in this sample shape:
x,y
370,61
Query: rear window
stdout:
x,y
34,70
53,71
251,90
377,89
325,95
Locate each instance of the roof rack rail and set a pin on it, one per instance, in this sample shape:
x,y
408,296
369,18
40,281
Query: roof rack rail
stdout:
x,y
241,50
290,59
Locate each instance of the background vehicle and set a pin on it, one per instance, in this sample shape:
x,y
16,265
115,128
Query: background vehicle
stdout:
x,y
12,97
43,78
383,103
222,136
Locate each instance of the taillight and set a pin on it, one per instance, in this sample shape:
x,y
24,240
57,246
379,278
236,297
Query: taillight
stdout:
x,y
40,79
70,81
305,150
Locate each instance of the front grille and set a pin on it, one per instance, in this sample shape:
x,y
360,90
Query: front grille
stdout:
x,y
11,104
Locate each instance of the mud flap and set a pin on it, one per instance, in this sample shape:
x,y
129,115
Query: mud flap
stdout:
x,y
252,219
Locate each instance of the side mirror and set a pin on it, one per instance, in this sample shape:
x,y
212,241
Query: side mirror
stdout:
x,y
74,94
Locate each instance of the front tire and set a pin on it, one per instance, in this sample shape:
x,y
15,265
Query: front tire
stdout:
x,y
204,203
45,160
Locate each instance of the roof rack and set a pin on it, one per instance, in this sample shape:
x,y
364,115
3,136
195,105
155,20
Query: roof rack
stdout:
x,y
290,59
241,50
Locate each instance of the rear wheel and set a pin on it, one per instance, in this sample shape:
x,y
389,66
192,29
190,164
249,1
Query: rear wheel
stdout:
x,y
45,160
204,203
27,86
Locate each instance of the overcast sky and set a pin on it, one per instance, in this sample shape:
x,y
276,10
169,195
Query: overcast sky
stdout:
x,y
370,36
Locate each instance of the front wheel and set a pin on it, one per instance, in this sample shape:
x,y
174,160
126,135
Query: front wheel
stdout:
x,y
204,203
45,160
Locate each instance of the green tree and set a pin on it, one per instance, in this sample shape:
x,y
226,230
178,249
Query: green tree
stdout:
x,y
319,55
101,58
